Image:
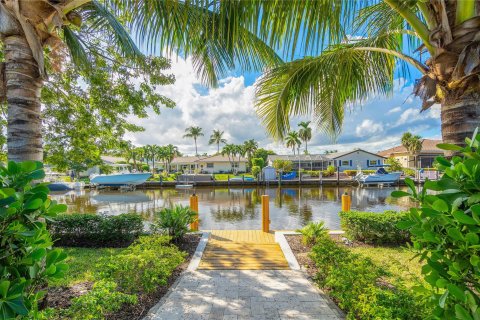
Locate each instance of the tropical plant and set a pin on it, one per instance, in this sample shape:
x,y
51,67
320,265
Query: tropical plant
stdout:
x,y
256,171
262,153
293,141
363,45
305,133
283,165
171,152
413,144
249,147
313,231
229,150
27,259
217,138
259,162
239,151
34,34
175,221
393,164
193,132
445,231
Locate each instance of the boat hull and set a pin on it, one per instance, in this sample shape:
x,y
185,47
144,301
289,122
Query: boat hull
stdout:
x,y
380,178
124,179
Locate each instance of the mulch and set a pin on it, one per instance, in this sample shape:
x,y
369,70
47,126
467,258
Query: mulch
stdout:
x,y
301,252
60,297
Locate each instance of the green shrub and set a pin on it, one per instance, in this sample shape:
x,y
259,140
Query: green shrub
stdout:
x,y
374,227
143,266
256,170
145,167
355,282
27,259
408,172
312,231
174,221
259,162
284,166
446,233
330,171
393,165
91,230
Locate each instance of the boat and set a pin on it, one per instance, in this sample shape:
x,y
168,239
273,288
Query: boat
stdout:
x,y
241,179
184,186
289,176
381,176
121,178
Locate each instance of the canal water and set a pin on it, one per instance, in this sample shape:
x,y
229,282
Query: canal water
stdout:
x,y
238,208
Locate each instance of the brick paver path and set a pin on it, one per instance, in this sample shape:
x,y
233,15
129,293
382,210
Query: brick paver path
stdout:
x,y
244,294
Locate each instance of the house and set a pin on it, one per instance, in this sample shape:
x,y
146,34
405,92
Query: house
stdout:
x,y
425,157
209,164
307,161
357,158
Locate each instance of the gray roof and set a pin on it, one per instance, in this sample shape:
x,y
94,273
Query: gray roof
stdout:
x,y
302,157
343,153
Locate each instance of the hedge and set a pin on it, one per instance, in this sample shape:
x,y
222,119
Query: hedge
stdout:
x,y
90,230
357,285
352,173
374,227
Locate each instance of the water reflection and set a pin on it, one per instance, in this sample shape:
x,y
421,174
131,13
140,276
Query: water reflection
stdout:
x,y
238,208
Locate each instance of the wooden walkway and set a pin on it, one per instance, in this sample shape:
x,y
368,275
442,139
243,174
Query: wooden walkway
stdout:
x,y
242,249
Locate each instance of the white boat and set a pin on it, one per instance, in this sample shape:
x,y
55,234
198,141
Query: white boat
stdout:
x,y
379,177
184,186
122,178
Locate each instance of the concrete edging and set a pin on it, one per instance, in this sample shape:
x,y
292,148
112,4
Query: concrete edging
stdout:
x,y
287,251
197,256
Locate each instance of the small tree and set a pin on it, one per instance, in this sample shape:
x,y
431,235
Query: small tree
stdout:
x,y
446,233
393,164
283,165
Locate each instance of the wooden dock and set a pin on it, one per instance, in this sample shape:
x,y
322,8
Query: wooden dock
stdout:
x,y
242,250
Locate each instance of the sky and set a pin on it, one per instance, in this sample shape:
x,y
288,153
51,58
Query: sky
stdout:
x,y
374,125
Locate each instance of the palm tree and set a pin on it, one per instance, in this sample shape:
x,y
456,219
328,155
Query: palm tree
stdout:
x,y
292,140
390,37
193,132
413,144
249,147
171,152
229,150
217,138
28,29
305,133
149,153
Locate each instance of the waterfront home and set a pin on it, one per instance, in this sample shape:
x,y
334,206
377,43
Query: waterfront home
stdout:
x,y
425,157
307,161
209,164
354,159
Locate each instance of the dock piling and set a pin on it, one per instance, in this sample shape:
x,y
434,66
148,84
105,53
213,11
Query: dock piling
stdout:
x,y
194,207
265,213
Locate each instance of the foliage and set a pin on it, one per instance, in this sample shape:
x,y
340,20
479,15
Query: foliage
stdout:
x,y
145,168
83,121
283,165
256,171
292,140
445,231
313,231
216,138
27,260
374,227
393,164
355,282
352,173
409,172
193,132
305,133
259,162
143,266
103,299
413,144
331,170
262,153
175,221
91,230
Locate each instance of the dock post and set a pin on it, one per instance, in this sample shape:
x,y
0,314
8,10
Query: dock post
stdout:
x,y
194,207
265,213
346,202
338,176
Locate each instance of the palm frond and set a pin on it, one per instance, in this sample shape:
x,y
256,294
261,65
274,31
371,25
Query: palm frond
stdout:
x,y
100,17
323,86
76,47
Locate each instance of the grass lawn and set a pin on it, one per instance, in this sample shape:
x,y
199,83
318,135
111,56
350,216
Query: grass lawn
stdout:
x,y
399,261
82,262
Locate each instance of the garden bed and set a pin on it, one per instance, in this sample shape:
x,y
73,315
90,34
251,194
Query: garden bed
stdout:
x,y
80,278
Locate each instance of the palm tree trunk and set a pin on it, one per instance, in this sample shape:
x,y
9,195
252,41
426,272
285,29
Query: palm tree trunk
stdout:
x,y
460,117
23,85
218,147
196,152
306,146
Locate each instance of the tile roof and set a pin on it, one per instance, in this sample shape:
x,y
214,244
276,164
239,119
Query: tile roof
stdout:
x,y
428,146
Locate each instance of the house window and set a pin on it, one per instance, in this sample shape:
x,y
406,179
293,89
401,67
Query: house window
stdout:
x,y
345,162
374,162
209,164
235,165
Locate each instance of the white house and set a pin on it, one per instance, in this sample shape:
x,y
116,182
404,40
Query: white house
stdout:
x,y
307,161
358,158
209,164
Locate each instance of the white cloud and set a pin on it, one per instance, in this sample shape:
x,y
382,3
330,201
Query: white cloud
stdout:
x,y
368,128
395,110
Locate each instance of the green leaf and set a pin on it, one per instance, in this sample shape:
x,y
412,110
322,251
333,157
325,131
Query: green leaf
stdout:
x,y
34,204
4,285
399,194
430,236
448,146
440,205
472,238
463,218
405,224
475,260
457,292
441,301
461,313
443,161
455,234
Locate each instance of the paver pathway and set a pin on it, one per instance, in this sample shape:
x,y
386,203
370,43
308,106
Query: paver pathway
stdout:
x,y
244,294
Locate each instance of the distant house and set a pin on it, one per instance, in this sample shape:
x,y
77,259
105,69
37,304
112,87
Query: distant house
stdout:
x,y
358,158
209,164
348,160
425,158
307,161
